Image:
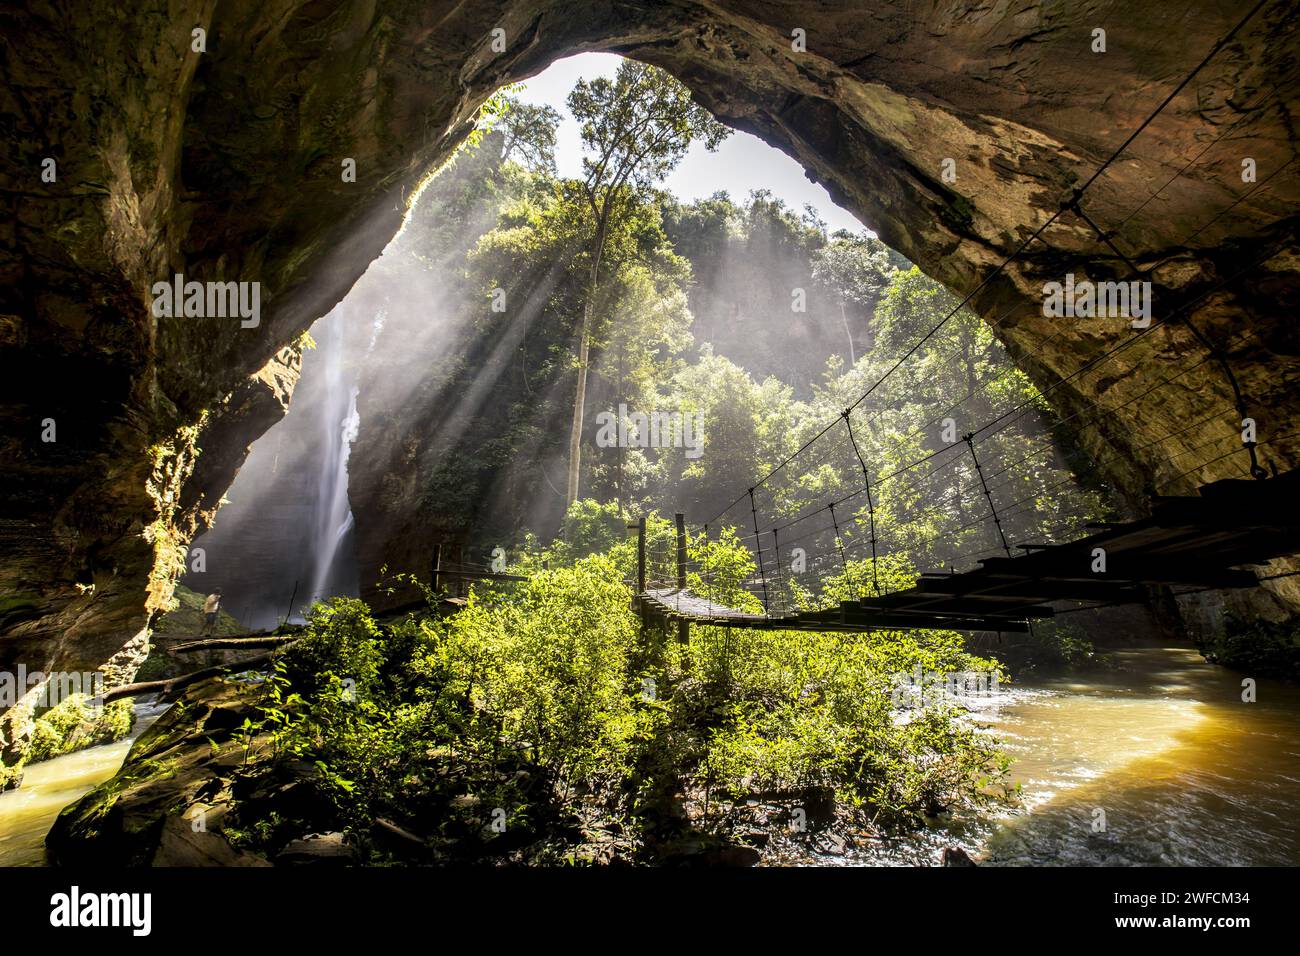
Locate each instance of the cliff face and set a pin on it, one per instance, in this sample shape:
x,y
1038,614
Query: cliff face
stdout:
x,y
219,155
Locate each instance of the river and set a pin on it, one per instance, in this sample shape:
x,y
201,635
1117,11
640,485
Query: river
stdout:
x,y
1184,771
26,814
1158,762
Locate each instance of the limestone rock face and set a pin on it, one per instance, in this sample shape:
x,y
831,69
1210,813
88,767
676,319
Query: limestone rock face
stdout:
x,y
166,806
218,155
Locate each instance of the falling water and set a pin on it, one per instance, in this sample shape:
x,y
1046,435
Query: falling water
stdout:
x,y
334,570
285,537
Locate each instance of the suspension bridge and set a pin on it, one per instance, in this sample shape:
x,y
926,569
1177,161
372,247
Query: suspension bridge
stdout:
x,y
1201,543
1204,542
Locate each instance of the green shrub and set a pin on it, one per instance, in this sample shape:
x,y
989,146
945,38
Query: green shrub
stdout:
x,y
340,641
533,698
1257,646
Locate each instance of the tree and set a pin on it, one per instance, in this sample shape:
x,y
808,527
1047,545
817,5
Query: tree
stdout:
x,y
528,135
635,130
858,268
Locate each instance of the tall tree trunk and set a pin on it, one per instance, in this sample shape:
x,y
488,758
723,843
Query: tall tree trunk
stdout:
x,y
579,401
618,474
580,393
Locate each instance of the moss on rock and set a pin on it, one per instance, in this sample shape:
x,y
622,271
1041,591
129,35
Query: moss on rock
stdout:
x,y
75,724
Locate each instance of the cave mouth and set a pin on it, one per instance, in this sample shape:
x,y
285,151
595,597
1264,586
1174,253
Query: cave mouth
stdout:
x,y
874,110
870,125
882,113
779,273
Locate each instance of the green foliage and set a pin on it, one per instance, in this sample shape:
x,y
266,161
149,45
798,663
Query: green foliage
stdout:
x,y
1257,646
590,527
529,135
533,699
549,664
687,308
339,644
74,724
492,113
1052,644
637,127
811,711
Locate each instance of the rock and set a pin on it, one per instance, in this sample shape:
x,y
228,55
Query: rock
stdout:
x,y
731,856
184,624
956,856
180,845
167,804
400,841
319,849
11,778
820,806
830,843
702,852
602,848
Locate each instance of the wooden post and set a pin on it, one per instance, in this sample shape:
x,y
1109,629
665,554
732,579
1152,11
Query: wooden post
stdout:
x,y
437,564
683,627
292,597
640,573
640,556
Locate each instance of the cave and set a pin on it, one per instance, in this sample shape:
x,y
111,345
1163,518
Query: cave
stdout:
x,y
209,146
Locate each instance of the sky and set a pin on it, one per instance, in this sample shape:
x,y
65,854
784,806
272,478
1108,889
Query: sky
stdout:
x,y
741,164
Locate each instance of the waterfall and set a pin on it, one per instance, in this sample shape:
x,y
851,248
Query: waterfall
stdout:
x,y
333,563
285,539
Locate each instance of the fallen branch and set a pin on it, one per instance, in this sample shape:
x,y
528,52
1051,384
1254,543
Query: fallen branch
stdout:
x,y
455,603
231,643
170,686
406,836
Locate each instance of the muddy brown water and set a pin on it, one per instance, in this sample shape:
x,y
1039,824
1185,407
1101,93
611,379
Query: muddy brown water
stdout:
x,y
26,814
1158,762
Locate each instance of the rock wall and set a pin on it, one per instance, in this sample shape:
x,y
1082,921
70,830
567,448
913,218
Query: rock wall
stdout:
x,y
218,155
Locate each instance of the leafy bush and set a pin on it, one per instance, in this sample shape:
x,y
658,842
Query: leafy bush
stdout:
x,y
547,666
550,696
810,710
340,642
1257,646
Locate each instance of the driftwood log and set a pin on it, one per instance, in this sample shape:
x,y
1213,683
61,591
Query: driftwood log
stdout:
x,y
277,643
174,684
232,643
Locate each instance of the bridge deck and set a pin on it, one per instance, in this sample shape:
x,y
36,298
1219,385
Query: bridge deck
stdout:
x,y
1201,542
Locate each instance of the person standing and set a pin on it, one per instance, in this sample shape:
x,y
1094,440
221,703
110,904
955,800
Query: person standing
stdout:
x,y
210,609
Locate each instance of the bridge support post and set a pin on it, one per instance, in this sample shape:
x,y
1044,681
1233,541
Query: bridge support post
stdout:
x,y
683,627
640,555
640,571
